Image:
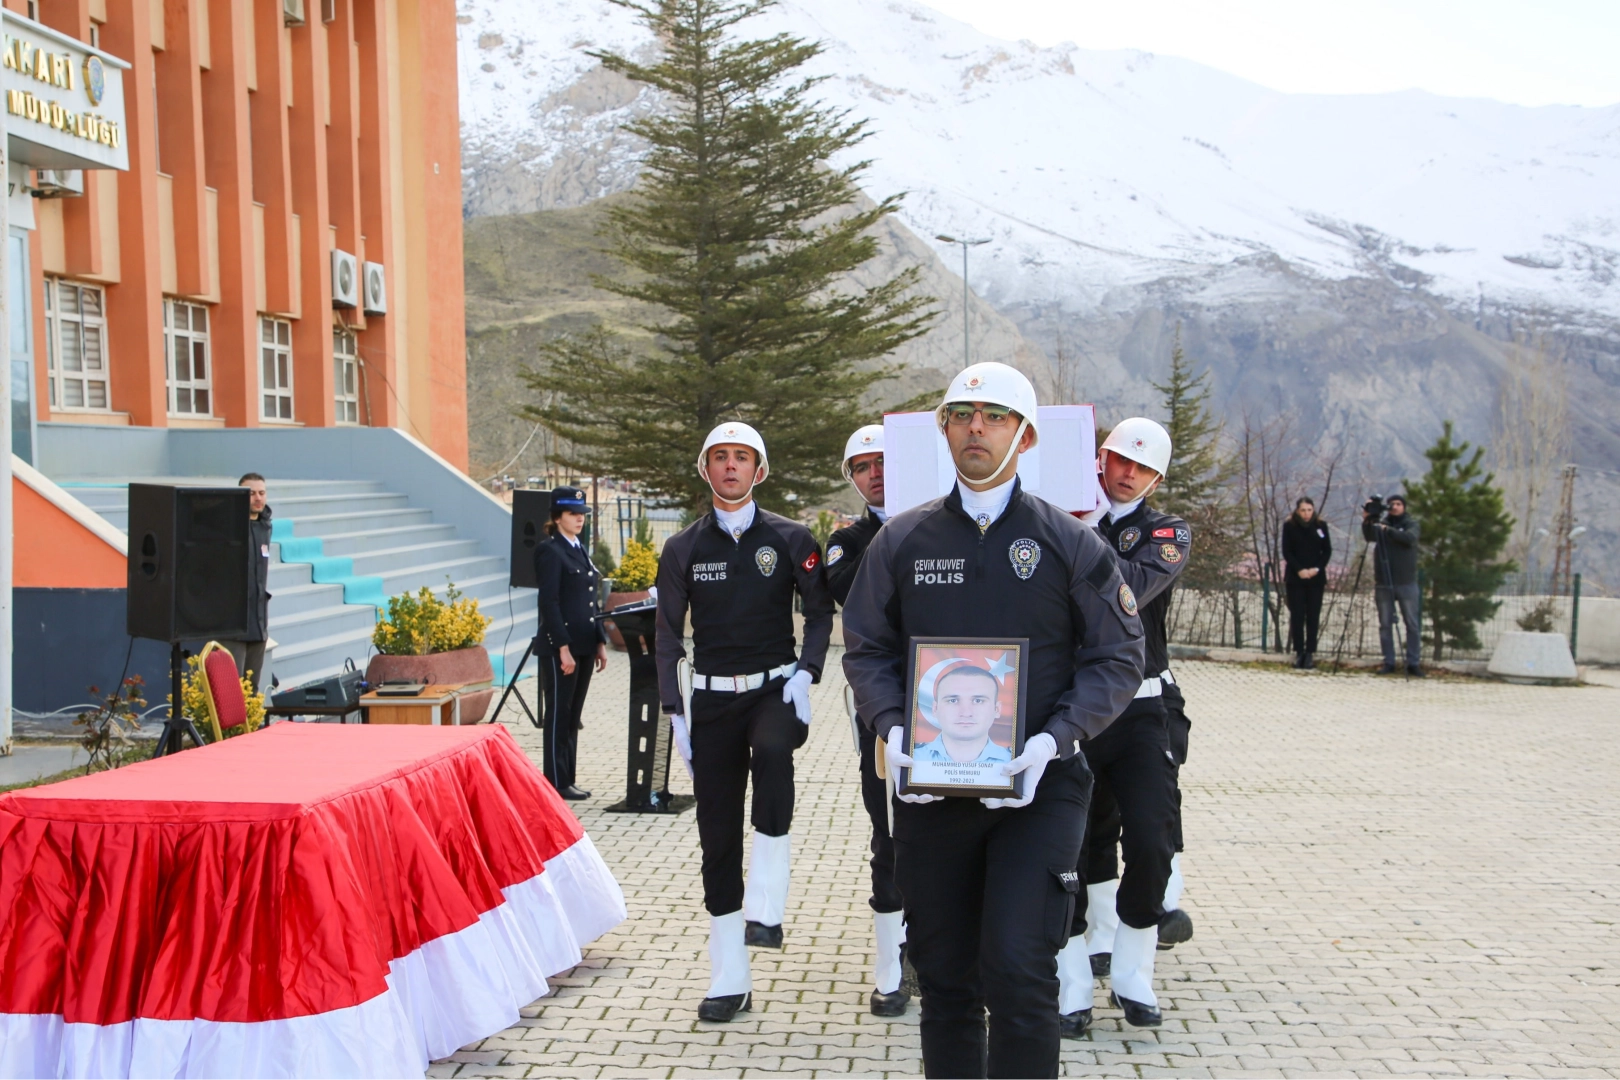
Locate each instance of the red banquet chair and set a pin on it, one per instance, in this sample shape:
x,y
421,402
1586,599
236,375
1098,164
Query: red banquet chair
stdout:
x,y
222,687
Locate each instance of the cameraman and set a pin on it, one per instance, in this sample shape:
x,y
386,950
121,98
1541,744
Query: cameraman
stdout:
x,y
1395,575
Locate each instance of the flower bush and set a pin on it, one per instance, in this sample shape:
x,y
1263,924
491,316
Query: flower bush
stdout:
x,y
420,624
638,570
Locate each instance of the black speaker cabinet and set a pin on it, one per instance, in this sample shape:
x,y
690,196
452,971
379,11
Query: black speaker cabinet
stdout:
x,y
531,510
189,562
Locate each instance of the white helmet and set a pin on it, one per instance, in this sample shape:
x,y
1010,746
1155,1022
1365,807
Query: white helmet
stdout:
x,y
737,433
1143,441
994,384
866,440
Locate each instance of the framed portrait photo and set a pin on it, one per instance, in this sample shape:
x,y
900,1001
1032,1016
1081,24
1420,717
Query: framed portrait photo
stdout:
x,y
965,700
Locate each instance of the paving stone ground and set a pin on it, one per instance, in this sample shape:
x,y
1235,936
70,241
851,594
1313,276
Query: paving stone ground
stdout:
x,y
1386,877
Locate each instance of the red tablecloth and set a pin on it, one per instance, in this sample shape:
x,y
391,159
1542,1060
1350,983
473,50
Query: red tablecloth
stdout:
x,y
312,899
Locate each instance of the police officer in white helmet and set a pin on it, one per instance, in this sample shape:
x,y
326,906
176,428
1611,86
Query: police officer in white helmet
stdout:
x,y
989,885
742,706
1137,803
863,467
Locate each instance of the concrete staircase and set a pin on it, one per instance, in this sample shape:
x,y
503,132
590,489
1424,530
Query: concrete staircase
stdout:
x,y
341,547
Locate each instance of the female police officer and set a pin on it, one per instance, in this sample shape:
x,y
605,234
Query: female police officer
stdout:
x,y
989,885
748,707
570,641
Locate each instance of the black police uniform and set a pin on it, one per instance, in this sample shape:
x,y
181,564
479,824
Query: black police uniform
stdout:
x,y
845,549
568,583
1139,807
740,594
989,894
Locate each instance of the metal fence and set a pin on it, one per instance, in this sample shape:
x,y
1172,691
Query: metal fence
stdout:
x,y
1255,615
626,511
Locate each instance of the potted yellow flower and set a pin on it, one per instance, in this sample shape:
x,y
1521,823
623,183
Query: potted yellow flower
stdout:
x,y
430,640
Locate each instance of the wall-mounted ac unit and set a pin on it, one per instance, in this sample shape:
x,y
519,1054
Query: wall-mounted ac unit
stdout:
x,y
58,183
292,12
345,280
376,286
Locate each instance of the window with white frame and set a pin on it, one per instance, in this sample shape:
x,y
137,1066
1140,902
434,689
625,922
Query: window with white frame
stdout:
x,y
275,369
185,339
76,345
345,376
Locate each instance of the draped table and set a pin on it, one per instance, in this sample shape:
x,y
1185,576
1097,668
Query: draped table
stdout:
x,y
308,900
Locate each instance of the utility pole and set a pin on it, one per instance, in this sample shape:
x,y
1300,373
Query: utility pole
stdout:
x,y
1565,532
965,245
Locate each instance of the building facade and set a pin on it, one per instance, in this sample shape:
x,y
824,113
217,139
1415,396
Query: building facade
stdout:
x,y
284,246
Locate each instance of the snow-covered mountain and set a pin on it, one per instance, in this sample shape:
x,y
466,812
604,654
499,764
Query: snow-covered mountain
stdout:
x,y
1359,262
1096,169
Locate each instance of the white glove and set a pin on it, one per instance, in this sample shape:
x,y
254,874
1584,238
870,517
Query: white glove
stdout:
x,y
683,742
1040,749
797,691
1093,517
897,759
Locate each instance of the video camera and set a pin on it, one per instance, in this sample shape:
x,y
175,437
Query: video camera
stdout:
x,y
1375,508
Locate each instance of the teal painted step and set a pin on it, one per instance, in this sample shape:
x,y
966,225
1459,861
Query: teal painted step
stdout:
x,y
327,569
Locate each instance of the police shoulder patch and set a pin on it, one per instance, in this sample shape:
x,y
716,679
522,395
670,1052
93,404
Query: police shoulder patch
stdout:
x,y
835,553
766,559
1183,535
1127,600
1025,556
811,560
1170,553
1163,534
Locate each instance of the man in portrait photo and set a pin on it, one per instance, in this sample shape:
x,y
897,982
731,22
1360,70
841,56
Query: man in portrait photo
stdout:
x,y
967,704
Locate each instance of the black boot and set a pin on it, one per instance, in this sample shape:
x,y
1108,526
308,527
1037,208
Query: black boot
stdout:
x,y
1310,662
762,936
1136,1013
721,1010
1174,928
1101,964
1074,1025
893,1004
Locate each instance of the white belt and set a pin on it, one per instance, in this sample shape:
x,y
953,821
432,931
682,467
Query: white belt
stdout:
x,y
741,684
1154,686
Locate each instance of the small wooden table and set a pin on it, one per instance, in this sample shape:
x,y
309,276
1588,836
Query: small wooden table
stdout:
x,y
438,703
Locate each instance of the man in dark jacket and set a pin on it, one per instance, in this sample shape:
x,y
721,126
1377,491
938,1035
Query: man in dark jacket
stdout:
x,y
1395,565
249,651
989,884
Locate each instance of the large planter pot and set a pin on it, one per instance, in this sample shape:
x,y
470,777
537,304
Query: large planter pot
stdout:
x,y
620,599
458,666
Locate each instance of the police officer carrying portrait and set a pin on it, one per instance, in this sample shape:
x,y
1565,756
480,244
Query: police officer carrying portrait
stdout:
x,y
863,467
742,706
1133,760
989,884
571,642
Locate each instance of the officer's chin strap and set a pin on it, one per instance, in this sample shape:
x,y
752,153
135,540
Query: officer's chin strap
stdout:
x,y
749,494
1018,436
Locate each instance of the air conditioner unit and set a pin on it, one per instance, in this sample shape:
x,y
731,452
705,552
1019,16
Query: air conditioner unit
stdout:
x,y
345,280
292,12
58,183
376,284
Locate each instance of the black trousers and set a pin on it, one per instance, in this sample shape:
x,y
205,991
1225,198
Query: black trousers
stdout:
x,y
1133,758
562,703
735,736
989,895
875,795
1179,729
1304,611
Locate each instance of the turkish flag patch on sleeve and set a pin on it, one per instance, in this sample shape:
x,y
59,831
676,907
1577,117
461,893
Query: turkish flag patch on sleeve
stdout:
x,y
1163,534
811,561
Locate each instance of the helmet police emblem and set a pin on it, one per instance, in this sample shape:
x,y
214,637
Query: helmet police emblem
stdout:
x,y
1025,556
1127,599
765,558
1128,538
835,553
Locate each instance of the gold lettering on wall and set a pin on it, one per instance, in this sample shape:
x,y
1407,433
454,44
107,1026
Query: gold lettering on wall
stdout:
x,y
86,126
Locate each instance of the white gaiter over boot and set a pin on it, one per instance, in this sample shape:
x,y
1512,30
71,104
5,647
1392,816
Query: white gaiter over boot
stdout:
x,y
1101,917
1131,975
728,957
1075,983
1173,887
770,864
890,930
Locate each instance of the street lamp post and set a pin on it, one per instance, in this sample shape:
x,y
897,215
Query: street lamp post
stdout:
x,y
965,245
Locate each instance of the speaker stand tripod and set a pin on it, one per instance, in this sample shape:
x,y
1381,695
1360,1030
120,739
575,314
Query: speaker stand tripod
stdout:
x,y
517,674
178,724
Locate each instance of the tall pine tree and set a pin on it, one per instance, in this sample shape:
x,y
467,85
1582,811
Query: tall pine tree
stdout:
x,y
740,234
1465,526
1196,487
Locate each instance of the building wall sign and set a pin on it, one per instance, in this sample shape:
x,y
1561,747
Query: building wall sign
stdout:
x,y
64,101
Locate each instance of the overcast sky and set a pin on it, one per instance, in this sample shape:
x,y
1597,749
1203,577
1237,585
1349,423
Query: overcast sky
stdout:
x,y
1542,53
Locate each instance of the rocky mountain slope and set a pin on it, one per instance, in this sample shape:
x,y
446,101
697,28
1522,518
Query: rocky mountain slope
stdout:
x,y
1361,264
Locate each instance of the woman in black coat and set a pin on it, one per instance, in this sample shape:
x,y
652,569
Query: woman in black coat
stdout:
x,y
570,642
1306,551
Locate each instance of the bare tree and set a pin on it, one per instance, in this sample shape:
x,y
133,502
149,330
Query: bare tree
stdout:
x,y
1531,443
